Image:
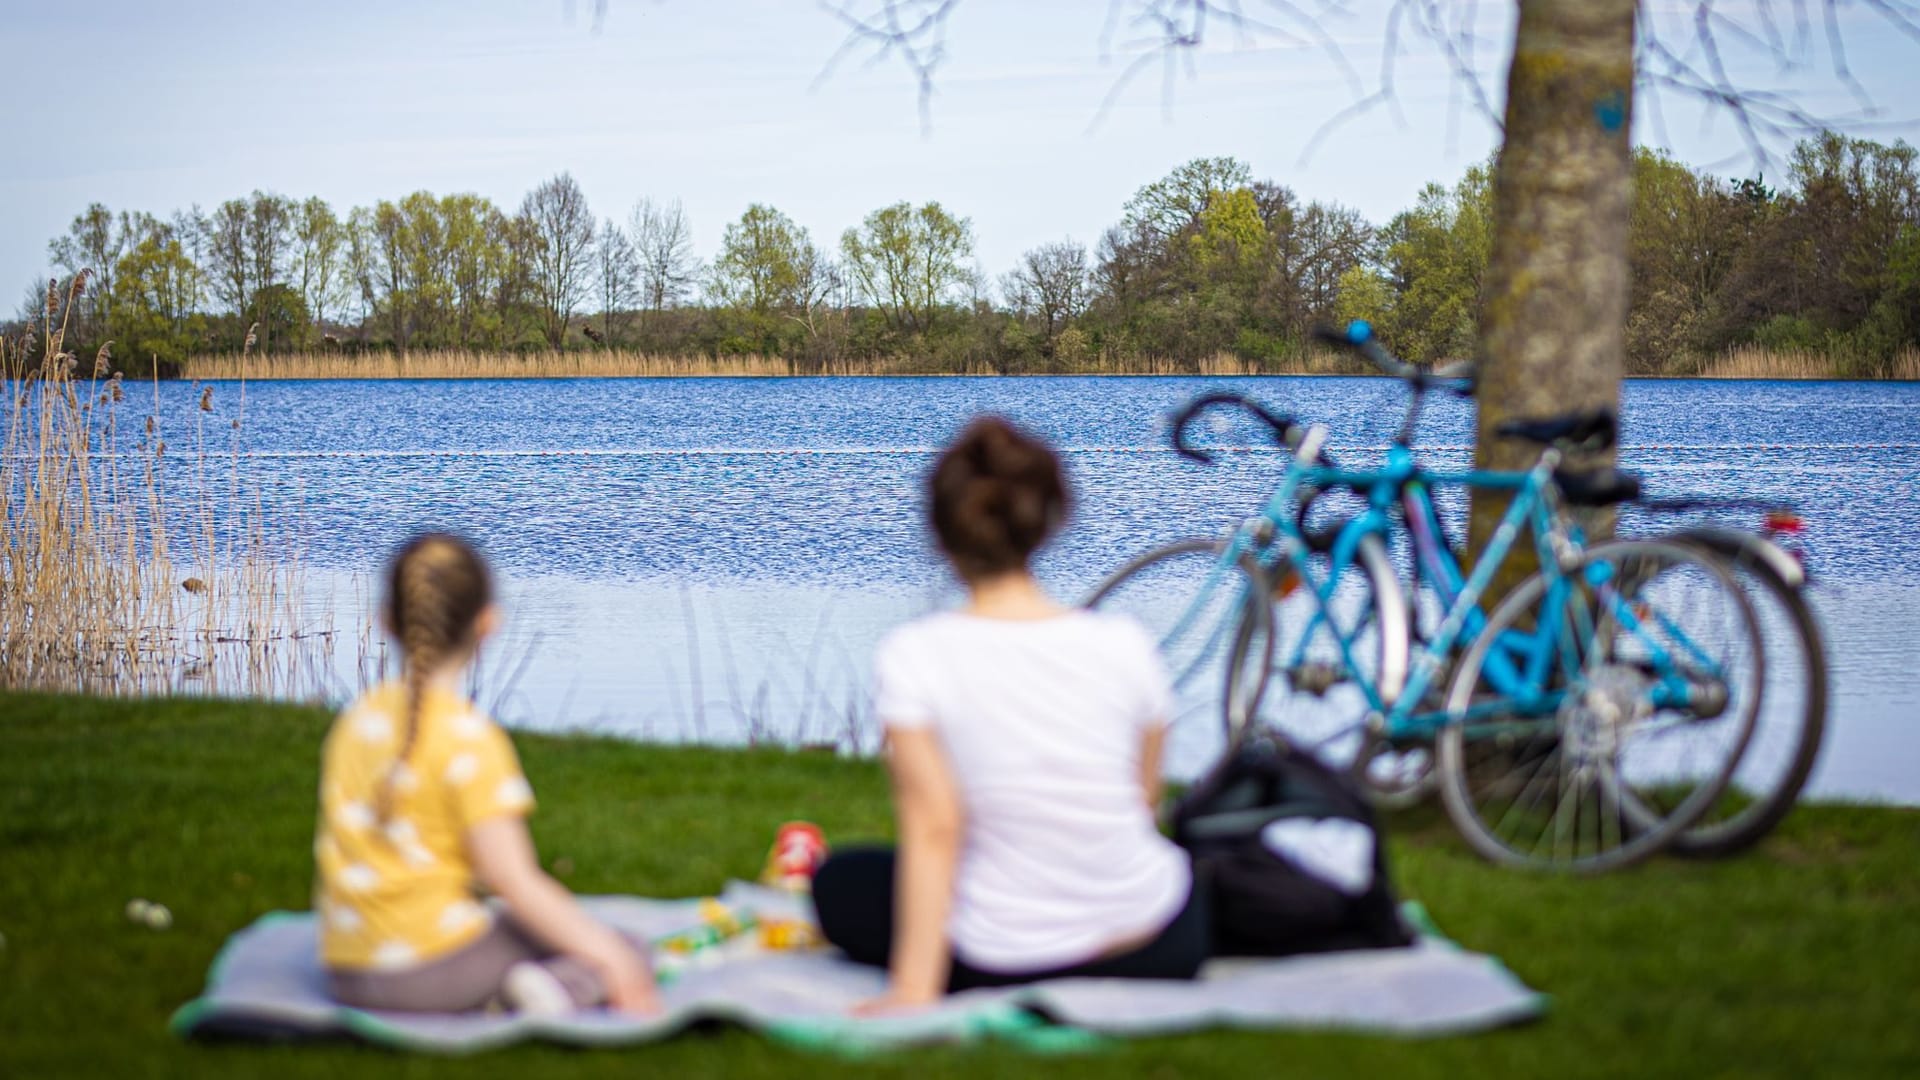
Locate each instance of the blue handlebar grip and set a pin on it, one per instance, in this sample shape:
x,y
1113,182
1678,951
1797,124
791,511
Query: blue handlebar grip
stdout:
x,y
1358,331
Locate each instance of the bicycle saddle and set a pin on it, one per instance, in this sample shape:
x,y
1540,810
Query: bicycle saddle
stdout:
x,y
1595,429
1605,486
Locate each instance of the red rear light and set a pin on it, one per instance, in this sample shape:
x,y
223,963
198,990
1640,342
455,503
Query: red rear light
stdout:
x,y
1784,523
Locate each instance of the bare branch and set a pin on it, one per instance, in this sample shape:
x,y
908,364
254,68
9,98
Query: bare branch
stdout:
x,y
1174,31
1692,53
913,30
1701,67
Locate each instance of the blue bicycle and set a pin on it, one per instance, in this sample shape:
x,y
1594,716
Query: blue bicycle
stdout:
x,y
1584,722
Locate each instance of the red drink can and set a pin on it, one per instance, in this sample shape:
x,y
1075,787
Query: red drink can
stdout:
x,y
798,850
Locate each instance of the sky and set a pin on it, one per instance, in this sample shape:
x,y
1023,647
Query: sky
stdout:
x,y
157,105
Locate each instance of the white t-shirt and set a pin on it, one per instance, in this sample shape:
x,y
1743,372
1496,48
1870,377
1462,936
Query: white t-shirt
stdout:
x,y
1042,724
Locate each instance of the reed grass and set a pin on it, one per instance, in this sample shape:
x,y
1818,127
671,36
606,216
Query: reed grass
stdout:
x,y
119,572
618,363
1756,362
468,364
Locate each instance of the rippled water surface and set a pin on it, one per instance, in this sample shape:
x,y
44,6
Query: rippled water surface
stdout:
x,y
714,558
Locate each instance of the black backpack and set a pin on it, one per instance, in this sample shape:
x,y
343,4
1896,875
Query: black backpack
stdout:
x,y
1291,854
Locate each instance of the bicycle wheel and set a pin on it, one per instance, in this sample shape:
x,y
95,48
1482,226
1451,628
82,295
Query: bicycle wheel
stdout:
x,y
1659,673
1319,696
1216,639
1793,711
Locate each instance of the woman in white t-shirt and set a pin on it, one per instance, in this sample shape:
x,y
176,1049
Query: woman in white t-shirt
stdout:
x,y
1024,743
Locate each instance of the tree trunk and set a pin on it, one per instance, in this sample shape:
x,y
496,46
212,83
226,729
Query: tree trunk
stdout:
x,y
1554,307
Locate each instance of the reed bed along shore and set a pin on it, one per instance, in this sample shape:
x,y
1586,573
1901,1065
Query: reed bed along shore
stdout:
x,y
118,574
1746,362
617,363
1752,362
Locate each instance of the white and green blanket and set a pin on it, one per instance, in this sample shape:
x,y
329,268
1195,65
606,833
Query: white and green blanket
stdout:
x,y
267,984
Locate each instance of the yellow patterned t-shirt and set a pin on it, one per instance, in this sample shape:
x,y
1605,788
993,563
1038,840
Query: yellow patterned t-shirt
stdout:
x,y
398,893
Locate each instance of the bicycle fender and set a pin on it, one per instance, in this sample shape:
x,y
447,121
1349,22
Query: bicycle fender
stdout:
x,y
1737,544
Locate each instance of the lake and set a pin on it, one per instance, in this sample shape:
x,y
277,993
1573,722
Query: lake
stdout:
x,y
714,558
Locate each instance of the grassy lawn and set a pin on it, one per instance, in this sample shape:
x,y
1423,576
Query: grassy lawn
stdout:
x,y
1803,958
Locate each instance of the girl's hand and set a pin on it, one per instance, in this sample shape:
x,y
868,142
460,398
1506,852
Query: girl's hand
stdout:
x,y
630,985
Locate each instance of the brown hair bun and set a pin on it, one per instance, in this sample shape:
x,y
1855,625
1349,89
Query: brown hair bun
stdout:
x,y
996,495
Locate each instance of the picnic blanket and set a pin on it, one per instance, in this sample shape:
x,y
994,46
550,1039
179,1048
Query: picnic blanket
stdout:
x,y
267,984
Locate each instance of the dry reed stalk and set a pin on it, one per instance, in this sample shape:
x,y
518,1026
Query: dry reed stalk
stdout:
x,y
617,363
92,597
469,364
1755,362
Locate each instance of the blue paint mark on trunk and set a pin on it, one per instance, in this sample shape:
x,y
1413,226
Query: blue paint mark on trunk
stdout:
x,y
1611,110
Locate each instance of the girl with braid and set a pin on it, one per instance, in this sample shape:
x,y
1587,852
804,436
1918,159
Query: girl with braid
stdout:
x,y
422,805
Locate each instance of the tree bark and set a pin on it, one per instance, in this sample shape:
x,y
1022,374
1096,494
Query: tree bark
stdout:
x,y
1554,310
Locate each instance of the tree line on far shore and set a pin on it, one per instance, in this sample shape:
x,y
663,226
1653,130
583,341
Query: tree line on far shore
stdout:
x,y
1207,260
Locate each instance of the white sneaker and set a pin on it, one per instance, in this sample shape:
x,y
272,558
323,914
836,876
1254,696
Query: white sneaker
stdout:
x,y
532,990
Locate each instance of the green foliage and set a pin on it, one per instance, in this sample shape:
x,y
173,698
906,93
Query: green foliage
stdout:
x,y
1229,233
1169,206
909,262
759,266
1206,260
1364,294
1436,254
153,319
1789,333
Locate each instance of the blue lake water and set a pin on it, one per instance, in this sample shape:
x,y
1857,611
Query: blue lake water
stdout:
x,y
713,558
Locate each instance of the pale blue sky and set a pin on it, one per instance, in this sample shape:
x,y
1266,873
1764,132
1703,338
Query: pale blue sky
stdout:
x,y
155,105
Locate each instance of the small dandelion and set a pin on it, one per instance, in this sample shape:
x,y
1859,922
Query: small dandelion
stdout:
x,y
158,917
137,909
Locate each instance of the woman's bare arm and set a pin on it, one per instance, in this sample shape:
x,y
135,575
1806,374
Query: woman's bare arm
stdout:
x,y
503,856
1152,745
927,809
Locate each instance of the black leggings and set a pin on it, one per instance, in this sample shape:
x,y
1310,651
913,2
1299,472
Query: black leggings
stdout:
x,y
853,894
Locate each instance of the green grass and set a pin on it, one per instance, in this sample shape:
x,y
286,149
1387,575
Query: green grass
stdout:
x,y
1799,959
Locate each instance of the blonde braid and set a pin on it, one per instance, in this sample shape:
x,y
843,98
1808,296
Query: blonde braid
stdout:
x,y
439,588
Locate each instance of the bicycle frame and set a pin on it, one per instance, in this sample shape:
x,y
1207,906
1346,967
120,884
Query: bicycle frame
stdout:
x,y
1520,665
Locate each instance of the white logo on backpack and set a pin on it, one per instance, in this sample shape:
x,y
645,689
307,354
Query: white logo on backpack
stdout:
x,y
1338,851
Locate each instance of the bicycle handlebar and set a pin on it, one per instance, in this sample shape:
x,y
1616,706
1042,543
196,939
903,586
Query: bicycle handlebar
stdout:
x,y
1286,433
1359,337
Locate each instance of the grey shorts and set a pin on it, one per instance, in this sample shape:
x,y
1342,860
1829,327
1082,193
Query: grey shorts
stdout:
x,y
468,978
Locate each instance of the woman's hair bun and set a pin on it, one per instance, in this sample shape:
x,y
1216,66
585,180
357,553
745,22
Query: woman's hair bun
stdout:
x,y
996,495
